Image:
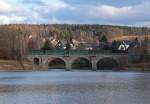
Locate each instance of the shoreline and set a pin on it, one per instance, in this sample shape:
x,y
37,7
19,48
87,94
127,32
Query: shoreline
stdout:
x,y
14,66
78,70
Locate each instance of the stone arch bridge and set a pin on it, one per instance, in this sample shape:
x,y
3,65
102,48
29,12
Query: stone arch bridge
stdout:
x,y
96,61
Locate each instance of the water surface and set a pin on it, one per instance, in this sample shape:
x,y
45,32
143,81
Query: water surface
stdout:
x,y
74,88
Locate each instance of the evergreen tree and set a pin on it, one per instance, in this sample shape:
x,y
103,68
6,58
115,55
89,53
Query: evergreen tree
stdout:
x,y
47,45
68,47
69,35
104,39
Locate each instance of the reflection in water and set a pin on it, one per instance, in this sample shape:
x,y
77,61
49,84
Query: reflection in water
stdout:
x,y
74,88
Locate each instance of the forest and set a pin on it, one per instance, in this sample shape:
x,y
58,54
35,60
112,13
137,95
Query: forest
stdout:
x,y
19,39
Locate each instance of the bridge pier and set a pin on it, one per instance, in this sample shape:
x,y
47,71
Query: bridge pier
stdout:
x,y
94,66
68,66
93,61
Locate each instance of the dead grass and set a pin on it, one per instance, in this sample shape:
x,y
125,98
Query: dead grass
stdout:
x,y
139,67
132,37
13,65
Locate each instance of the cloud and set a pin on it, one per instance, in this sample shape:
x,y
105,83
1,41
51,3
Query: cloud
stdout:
x,y
106,11
9,13
132,13
37,2
54,20
50,7
76,11
11,19
6,7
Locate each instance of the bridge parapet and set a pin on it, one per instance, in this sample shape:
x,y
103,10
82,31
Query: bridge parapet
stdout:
x,y
71,52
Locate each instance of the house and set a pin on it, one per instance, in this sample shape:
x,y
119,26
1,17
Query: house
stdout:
x,y
123,46
120,46
60,45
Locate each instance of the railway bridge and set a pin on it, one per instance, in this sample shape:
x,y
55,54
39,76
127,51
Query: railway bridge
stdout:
x,y
53,60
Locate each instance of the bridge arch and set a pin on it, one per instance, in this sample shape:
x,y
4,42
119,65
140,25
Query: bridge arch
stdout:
x,y
57,63
36,61
81,63
107,63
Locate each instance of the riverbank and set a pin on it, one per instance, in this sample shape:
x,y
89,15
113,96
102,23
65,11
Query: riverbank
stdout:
x,y
13,65
138,67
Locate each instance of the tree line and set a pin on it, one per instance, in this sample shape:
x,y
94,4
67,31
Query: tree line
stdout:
x,y
22,38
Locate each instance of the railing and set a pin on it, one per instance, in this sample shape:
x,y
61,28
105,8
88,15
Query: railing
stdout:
x,y
72,52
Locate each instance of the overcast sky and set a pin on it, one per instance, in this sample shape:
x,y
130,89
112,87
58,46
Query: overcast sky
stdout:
x,y
114,12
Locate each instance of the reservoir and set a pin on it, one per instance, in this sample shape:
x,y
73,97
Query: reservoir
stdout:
x,y
74,87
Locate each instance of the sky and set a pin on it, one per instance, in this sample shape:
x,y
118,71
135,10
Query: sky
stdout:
x,y
112,12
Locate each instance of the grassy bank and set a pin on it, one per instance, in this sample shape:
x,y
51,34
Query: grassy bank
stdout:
x,y
13,65
139,67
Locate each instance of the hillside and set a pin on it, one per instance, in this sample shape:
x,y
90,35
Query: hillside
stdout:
x,y
26,37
